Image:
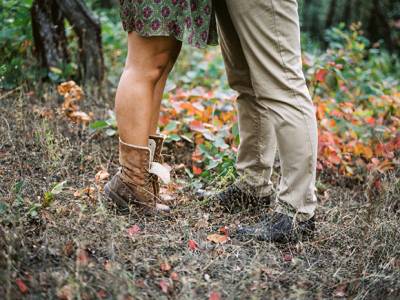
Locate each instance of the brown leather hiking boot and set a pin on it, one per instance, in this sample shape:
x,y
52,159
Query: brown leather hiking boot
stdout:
x,y
133,184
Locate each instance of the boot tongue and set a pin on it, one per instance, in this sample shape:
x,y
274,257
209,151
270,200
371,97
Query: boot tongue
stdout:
x,y
152,146
156,168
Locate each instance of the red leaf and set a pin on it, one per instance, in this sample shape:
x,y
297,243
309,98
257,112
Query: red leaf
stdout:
x,y
135,229
101,294
192,245
164,286
224,230
21,285
287,257
197,170
320,75
214,296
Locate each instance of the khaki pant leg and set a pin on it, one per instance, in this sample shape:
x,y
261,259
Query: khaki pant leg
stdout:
x,y
270,37
257,147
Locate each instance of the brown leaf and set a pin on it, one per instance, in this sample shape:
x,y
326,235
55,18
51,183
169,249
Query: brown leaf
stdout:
x,y
68,248
80,116
340,291
217,238
165,267
101,294
174,276
66,292
101,176
82,257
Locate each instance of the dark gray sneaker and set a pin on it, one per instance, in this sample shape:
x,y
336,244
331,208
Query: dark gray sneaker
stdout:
x,y
278,228
233,199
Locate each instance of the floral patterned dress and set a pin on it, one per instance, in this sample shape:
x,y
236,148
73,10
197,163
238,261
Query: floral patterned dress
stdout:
x,y
190,21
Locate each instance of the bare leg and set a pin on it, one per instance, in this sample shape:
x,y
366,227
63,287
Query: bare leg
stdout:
x,y
147,61
159,90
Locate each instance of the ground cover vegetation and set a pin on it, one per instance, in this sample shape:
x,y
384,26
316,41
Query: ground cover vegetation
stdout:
x,y
58,146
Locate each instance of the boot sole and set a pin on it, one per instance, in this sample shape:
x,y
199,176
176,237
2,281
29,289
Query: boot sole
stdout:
x,y
116,199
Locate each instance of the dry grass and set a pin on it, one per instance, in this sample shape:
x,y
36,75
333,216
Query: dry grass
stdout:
x,y
78,248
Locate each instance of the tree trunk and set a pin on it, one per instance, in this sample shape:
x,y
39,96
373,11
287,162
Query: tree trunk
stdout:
x,y
48,33
89,32
331,14
347,12
50,41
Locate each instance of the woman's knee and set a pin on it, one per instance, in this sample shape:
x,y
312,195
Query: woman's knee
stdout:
x,y
149,69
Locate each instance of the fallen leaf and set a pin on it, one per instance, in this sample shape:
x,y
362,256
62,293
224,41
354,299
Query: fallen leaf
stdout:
x,y
174,276
287,257
101,175
340,291
66,292
162,207
224,230
197,170
214,296
21,285
135,229
165,267
101,294
80,116
192,245
82,257
68,248
320,75
108,265
217,238
164,286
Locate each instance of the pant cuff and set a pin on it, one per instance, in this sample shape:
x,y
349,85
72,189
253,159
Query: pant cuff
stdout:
x,y
287,209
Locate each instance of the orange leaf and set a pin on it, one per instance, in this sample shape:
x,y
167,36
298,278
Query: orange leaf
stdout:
x,y
196,125
196,156
224,230
217,238
197,170
320,75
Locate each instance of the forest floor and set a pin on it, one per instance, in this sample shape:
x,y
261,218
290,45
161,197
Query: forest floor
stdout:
x,y
68,244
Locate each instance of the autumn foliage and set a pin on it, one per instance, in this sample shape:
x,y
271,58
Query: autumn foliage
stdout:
x,y
356,97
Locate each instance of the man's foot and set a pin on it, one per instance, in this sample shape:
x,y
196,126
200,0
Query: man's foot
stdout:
x,y
233,199
279,228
